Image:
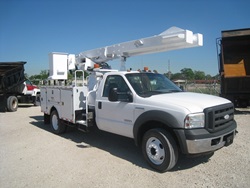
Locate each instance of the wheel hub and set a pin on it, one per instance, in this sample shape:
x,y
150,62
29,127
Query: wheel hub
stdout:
x,y
14,104
155,150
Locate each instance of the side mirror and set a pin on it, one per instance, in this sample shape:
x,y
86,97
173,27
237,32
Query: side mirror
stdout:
x,y
113,96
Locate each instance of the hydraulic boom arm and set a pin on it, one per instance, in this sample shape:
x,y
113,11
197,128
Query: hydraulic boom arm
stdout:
x,y
171,39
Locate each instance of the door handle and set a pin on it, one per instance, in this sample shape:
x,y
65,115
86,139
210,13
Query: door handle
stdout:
x,y
99,105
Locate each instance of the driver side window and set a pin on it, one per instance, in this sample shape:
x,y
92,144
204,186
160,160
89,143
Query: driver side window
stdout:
x,y
115,81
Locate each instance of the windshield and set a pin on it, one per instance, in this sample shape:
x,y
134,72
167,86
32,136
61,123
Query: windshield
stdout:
x,y
148,84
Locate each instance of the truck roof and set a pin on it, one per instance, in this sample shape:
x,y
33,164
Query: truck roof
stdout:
x,y
115,72
129,72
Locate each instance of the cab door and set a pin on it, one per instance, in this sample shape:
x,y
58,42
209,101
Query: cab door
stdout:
x,y
115,117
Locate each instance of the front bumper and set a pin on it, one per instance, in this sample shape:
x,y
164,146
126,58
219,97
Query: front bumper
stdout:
x,y
198,141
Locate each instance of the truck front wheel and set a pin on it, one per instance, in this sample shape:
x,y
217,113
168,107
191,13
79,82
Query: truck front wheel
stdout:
x,y
159,149
56,125
12,103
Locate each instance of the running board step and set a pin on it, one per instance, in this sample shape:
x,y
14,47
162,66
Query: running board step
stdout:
x,y
82,122
82,125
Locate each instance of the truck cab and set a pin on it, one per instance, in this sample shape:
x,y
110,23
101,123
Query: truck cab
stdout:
x,y
134,103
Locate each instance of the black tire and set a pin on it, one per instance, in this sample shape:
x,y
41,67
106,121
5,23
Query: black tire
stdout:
x,y
36,99
46,119
12,103
56,125
159,149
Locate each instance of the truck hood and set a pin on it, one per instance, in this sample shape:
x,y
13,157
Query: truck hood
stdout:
x,y
193,102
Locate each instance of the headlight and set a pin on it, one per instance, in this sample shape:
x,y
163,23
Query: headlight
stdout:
x,y
194,121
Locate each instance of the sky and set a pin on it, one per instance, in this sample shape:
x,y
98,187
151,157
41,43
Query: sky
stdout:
x,y
31,29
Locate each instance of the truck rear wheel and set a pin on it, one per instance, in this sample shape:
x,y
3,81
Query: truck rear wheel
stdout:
x,y
159,149
56,125
12,103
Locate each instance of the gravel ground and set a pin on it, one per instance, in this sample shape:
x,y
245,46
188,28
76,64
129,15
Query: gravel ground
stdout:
x,y
31,156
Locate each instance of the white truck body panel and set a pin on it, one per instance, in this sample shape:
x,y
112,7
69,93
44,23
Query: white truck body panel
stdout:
x,y
193,102
116,117
65,99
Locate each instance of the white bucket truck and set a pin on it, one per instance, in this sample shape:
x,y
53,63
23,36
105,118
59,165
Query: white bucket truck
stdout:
x,y
161,118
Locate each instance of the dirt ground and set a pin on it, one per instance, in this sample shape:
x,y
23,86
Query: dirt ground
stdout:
x,y
32,156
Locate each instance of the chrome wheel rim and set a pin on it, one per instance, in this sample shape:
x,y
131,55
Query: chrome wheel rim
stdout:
x,y
54,122
155,151
14,104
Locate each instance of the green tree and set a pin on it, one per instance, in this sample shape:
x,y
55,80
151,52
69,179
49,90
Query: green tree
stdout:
x,y
199,75
38,77
177,76
216,77
44,74
188,73
209,77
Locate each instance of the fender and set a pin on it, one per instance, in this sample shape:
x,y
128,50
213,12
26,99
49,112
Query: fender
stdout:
x,y
152,115
35,92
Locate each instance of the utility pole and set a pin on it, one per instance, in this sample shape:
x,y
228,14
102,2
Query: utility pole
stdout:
x,y
169,71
